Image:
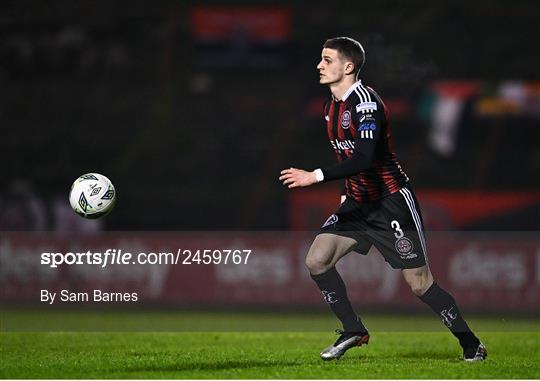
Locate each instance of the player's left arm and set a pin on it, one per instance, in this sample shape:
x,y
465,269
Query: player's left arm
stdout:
x,y
368,127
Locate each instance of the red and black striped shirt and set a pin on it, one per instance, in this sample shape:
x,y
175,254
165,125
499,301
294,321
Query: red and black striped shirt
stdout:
x,y
358,129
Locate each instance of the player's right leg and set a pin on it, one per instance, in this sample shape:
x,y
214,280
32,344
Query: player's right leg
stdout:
x,y
327,249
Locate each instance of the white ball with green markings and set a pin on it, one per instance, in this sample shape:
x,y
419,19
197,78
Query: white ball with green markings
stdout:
x,y
92,195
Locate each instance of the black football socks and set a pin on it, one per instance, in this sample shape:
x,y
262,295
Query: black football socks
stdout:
x,y
335,295
444,305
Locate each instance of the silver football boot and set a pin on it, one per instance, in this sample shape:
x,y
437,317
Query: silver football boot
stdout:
x,y
478,353
346,341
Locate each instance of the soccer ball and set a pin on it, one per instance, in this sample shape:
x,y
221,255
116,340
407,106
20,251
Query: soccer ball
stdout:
x,y
92,196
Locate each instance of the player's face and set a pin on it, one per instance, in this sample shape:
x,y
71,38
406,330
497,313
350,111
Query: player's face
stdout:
x,y
332,67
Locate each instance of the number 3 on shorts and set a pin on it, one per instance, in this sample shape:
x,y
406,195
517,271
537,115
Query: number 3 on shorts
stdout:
x,y
395,225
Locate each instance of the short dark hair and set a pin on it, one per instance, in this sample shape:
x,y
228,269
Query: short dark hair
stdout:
x,y
348,48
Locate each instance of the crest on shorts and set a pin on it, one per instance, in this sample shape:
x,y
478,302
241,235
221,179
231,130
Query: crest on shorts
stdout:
x,y
346,120
331,220
404,246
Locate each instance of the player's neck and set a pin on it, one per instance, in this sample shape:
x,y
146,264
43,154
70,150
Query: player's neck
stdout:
x,y
339,89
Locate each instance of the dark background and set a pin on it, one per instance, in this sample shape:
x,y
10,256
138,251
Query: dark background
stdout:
x,y
193,133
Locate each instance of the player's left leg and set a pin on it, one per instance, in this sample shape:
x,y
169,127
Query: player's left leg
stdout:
x,y
421,282
399,236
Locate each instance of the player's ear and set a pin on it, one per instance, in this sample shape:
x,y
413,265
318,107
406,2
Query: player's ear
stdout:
x,y
349,68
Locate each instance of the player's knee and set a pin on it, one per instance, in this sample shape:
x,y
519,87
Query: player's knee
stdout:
x,y
318,263
417,289
419,285
419,280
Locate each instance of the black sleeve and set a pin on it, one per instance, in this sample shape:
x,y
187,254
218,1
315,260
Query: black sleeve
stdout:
x,y
368,131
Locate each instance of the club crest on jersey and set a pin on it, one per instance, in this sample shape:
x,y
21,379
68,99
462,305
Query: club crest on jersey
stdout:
x,y
331,220
346,120
366,130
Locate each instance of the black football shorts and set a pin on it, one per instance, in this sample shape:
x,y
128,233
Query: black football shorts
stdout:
x,y
393,225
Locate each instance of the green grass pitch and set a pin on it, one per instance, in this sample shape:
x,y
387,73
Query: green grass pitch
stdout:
x,y
252,345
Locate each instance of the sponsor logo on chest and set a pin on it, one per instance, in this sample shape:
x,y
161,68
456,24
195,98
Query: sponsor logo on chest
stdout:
x,y
342,144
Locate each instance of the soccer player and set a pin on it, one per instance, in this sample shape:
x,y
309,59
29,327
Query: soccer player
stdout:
x,y
378,206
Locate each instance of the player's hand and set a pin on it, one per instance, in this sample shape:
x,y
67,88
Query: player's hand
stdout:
x,y
294,178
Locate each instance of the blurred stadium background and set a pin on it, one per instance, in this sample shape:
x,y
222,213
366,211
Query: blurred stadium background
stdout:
x,y
193,108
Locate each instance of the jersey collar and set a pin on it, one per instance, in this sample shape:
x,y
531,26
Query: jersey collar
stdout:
x,y
349,91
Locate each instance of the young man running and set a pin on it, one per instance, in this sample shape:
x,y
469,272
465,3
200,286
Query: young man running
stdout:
x,y
378,206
